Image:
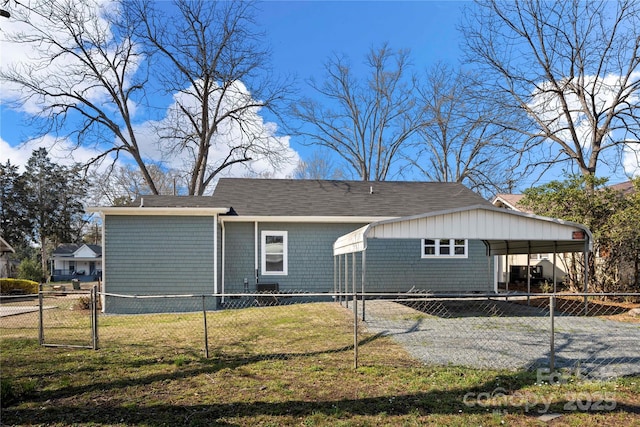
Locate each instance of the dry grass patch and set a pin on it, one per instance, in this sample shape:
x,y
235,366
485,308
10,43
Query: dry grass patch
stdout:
x,y
289,366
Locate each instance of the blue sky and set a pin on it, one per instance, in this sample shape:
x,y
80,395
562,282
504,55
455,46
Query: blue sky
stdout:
x,y
302,35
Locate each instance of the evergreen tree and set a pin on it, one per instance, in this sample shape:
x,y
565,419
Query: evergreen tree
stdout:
x,y
14,222
53,202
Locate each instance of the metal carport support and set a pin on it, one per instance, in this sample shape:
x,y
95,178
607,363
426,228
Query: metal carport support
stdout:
x,y
501,230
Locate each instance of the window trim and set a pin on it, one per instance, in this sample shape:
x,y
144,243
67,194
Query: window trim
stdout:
x,y
452,246
263,253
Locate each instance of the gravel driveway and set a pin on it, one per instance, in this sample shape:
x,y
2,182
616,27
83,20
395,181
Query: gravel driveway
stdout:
x,y
497,334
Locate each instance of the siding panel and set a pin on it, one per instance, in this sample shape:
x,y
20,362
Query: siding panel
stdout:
x,y
158,255
393,265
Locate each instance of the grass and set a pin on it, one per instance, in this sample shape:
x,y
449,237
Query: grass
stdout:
x,y
290,366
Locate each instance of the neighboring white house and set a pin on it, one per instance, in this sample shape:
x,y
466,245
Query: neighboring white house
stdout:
x,y
73,261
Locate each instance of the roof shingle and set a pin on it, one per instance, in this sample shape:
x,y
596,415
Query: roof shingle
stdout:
x,y
293,197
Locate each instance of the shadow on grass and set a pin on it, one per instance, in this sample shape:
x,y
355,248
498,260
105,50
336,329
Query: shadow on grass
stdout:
x,y
100,401
292,411
204,366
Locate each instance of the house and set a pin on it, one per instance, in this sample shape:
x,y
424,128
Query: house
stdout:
x,y
254,234
5,264
76,261
543,267
512,269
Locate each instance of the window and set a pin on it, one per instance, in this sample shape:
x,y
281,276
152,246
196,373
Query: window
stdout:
x,y
274,253
446,248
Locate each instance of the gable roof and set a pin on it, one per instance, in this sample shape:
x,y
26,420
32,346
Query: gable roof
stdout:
x,y
294,197
503,231
512,201
626,188
509,201
5,247
68,249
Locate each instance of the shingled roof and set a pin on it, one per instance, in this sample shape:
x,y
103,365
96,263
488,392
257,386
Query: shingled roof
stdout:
x,y
289,197
295,197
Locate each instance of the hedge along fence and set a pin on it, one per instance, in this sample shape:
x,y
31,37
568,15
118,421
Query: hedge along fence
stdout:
x,y
14,286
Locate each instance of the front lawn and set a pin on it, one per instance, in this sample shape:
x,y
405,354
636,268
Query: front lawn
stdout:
x,y
275,366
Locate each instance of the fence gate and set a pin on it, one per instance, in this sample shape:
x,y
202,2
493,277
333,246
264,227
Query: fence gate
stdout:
x,y
68,318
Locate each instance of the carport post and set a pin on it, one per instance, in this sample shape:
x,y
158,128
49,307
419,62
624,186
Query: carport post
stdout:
x,y
586,274
529,272
506,267
339,279
555,249
552,349
364,269
335,285
346,279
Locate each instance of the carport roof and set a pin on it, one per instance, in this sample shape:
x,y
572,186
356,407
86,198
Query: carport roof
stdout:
x,y
503,231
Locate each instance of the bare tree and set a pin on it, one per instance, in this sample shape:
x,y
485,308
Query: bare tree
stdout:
x,y
125,183
318,166
216,68
564,74
82,78
366,122
95,64
459,140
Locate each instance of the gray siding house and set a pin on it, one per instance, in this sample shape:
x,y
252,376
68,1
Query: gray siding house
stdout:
x,y
254,233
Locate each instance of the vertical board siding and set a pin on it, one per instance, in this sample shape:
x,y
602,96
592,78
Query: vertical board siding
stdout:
x,y
158,255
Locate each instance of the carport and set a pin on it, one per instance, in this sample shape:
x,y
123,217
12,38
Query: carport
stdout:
x,y
503,232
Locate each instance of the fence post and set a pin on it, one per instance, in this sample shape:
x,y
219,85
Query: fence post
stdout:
x,y
94,317
355,329
552,350
41,311
206,336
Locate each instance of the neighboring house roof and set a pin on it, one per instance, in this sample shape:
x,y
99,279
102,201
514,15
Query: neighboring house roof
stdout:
x,y
69,249
625,188
512,201
5,247
509,201
291,197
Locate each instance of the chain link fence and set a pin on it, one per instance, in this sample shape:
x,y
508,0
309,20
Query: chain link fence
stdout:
x,y
593,335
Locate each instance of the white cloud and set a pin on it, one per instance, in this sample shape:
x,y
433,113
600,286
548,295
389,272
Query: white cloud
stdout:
x,y
547,106
28,52
63,71
272,154
631,160
60,151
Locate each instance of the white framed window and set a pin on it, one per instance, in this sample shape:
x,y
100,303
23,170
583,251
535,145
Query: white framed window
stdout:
x,y
445,248
274,253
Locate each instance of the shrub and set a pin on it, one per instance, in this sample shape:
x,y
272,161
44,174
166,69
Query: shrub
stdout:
x,y
8,286
30,269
